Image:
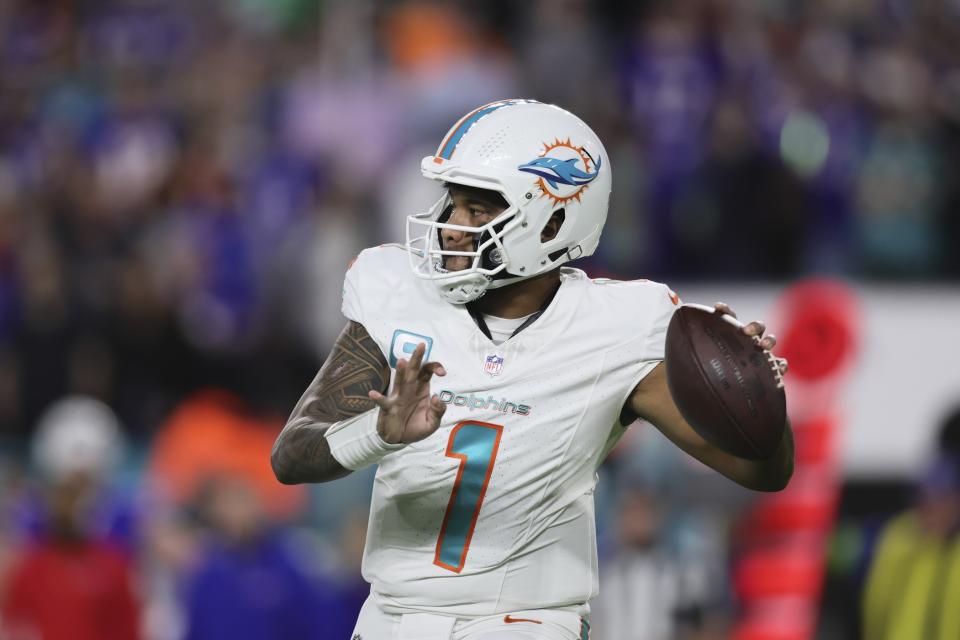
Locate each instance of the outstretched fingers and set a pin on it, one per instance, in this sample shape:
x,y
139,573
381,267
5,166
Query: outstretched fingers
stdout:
x,y
410,376
403,365
429,370
408,370
417,358
724,308
755,330
378,398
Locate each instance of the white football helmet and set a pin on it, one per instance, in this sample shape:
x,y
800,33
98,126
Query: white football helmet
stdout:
x,y
541,159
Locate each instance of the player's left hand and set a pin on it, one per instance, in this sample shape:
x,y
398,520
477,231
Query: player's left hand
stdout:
x,y
755,329
410,412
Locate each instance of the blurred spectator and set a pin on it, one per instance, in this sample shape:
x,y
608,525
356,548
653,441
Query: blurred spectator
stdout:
x,y
913,585
669,82
739,187
79,436
68,585
544,49
342,587
251,582
897,187
322,243
447,62
648,590
215,433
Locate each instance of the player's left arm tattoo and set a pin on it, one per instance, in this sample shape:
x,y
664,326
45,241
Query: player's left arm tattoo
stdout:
x,y
354,367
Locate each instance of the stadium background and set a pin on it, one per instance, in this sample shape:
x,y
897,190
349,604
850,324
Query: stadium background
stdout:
x,y
183,183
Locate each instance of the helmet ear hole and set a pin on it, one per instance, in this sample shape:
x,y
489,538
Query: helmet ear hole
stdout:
x,y
552,227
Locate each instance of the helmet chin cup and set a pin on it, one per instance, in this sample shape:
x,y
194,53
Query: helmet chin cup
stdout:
x,y
466,289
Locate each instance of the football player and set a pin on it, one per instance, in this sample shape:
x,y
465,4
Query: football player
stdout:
x,y
488,382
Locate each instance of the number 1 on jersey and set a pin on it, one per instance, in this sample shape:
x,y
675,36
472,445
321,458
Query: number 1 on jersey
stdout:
x,y
475,444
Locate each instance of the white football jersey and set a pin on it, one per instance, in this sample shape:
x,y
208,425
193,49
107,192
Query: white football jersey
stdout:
x,y
494,511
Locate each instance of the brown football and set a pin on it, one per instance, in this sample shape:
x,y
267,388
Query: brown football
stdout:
x,y
725,385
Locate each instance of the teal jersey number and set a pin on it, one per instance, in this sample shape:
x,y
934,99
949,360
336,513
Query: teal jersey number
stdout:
x,y
475,444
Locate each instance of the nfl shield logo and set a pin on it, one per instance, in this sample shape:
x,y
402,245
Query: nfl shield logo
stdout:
x,y
493,365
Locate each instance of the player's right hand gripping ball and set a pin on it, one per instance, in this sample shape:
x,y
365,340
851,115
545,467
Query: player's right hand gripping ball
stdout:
x,y
724,384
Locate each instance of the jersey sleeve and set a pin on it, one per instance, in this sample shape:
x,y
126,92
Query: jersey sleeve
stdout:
x,y
352,287
645,309
662,311
374,288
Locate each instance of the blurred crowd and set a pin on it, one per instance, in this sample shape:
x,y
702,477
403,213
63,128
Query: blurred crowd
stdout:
x,y
182,184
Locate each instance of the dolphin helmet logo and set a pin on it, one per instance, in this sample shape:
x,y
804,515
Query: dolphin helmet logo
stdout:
x,y
563,170
556,171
